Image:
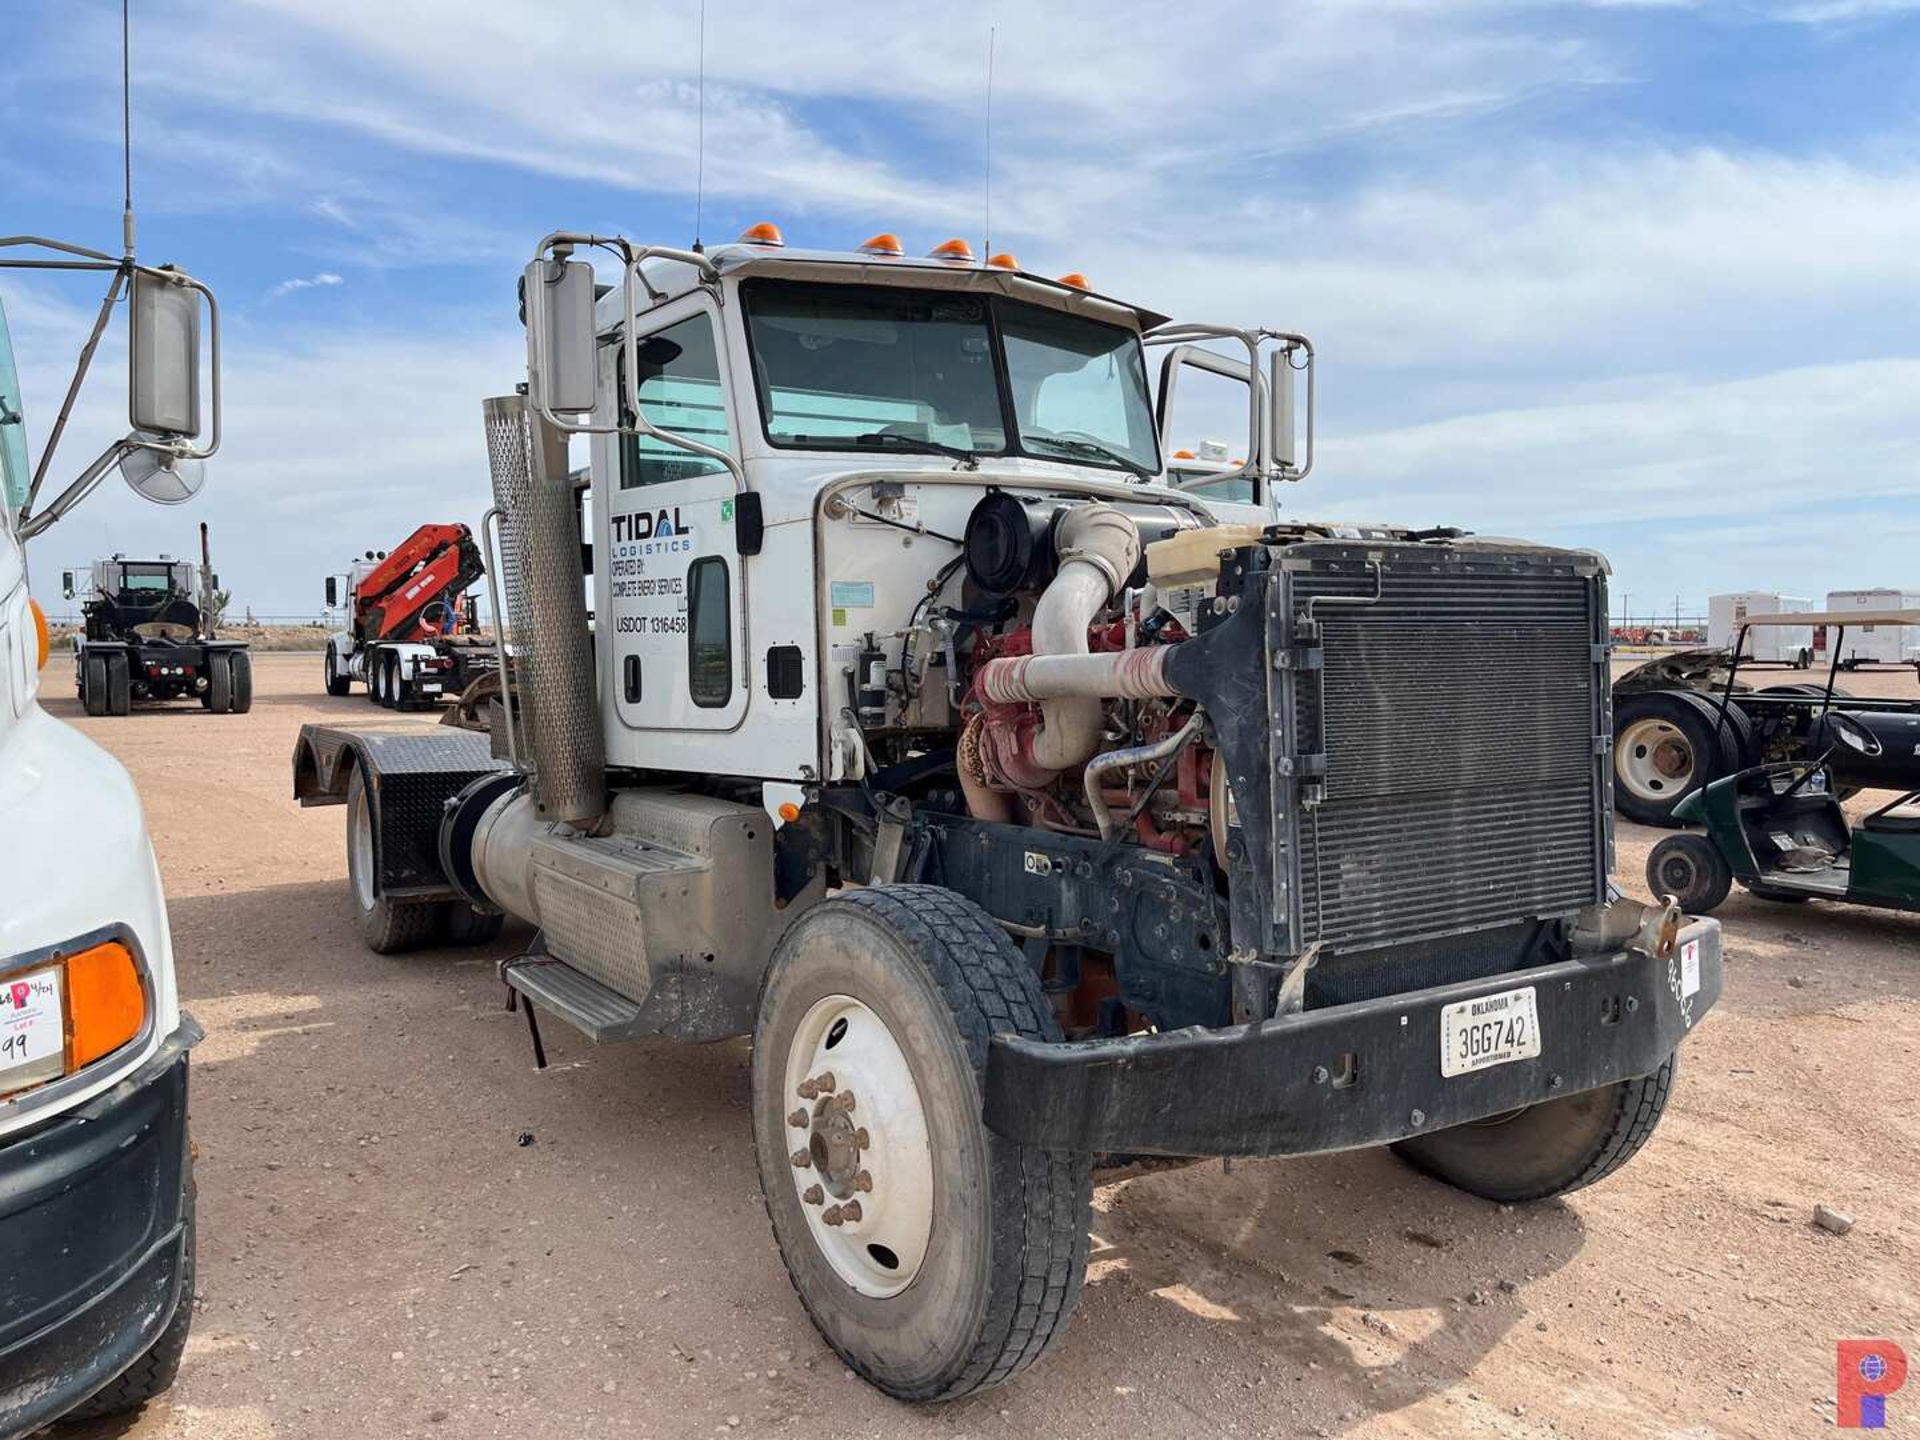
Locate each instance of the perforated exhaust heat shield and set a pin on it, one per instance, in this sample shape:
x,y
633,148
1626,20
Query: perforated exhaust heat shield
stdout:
x,y
547,612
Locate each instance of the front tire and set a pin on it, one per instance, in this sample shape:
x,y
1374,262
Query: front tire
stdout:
x,y
338,681
1692,870
938,1259
1548,1149
388,926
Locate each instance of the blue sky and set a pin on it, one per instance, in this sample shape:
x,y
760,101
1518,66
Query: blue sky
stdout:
x,y
1635,275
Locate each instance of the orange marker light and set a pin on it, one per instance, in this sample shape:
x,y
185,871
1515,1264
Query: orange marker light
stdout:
x,y
1076,280
39,633
1183,455
1003,261
951,250
884,243
765,233
789,811
106,1004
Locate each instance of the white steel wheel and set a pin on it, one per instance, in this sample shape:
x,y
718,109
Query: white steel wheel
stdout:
x,y
867,1186
1655,760
386,924
360,842
936,1258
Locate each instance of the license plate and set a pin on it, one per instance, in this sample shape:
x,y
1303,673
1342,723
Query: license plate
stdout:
x,y
1493,1030
33,1031
432,687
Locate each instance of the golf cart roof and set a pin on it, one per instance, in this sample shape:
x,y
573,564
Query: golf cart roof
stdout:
x,y
1837,617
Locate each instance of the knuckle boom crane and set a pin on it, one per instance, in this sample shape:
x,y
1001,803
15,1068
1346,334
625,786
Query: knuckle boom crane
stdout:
x,y
410,633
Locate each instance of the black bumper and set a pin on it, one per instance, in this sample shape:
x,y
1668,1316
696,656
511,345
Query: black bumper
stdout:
x,y
1276,1088
93,1233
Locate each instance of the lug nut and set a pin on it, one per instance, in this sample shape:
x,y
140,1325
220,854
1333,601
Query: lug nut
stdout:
x,y
863,1181
850,1210
843,1102
833,1215
862,1139
813,1194
821,1084
801,1158
798,1119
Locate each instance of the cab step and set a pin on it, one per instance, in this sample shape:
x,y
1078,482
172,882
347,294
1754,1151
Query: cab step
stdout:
x,y
602,1015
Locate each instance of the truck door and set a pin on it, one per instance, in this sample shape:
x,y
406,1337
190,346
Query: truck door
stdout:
x,y
675,585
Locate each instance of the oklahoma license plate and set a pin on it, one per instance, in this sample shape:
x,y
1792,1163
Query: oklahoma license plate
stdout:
x,y
1493,1030
33,1031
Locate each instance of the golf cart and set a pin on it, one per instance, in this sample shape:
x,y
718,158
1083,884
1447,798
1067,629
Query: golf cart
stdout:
x,y
1778,828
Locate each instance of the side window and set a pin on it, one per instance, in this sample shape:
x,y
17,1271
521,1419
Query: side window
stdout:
x,y
709,633
679,391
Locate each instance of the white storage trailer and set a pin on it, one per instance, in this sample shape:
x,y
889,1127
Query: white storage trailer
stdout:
x,y
1866,643
1774,644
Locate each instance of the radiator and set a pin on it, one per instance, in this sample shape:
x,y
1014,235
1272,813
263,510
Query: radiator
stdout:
x,y
1453,731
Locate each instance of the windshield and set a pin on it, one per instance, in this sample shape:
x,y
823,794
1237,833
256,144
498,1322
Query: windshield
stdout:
x,y
148,579
881,367
13,429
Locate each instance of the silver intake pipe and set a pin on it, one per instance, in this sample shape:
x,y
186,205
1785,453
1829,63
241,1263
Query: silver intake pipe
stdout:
x,y
546,602
1102,766
1099,546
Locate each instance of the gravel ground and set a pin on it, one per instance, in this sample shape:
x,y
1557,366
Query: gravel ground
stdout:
x,y
380,1256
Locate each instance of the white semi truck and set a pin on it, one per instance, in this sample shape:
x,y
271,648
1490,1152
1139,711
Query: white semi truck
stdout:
x,y
1028,810
96,1182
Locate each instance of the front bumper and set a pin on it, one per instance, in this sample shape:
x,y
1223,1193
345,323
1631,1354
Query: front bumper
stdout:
x,y
93,1236
1274,1088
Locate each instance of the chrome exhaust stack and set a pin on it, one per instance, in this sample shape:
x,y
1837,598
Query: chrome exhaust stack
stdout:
x,y
552,675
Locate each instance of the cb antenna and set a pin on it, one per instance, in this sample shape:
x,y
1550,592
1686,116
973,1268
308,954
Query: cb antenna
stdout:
x,y
986,246
126,127
700,141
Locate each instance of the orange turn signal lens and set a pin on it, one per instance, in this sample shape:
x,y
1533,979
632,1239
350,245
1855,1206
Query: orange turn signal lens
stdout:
x,y
951,250
1183,455
789,811
765,233
40,633
885,243
1076,280
1003,261
106,1003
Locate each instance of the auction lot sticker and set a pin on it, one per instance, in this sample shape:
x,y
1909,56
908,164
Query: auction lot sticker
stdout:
x,y
33,1031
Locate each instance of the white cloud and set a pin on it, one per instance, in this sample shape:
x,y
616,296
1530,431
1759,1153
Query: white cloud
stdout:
x,y
323,280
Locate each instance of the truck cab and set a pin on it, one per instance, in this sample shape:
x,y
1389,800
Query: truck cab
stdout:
x,y
96,1195
1027,803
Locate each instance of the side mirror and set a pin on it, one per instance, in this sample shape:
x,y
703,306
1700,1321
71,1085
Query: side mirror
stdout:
x,y
164,369
66,584
558,297
333,592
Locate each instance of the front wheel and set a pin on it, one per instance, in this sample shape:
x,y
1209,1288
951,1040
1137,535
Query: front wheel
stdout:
x,y
338,680
935,1257
1547,1149
1692,870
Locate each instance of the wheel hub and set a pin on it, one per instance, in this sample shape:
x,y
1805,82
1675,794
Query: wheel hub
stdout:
x,y
862,1164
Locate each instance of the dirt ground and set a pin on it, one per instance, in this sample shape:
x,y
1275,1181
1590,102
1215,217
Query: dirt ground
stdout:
x,y
408,1231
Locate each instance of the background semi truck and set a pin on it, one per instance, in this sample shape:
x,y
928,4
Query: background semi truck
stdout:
x,y
96,1175
149,636
411,636
1026,809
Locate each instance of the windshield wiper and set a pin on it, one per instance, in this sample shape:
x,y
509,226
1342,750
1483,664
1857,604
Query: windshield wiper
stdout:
x,y
969,458
1092,449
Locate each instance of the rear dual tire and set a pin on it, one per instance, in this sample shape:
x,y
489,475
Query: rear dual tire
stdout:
x,y
1668,744
106,685
964,1259
389,925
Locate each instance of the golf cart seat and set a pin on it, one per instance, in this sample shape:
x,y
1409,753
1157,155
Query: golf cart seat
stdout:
x,y
1901,818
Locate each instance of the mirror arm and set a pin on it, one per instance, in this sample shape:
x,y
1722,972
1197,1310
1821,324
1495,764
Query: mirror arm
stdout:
x,y
628,402
48,451
31,526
